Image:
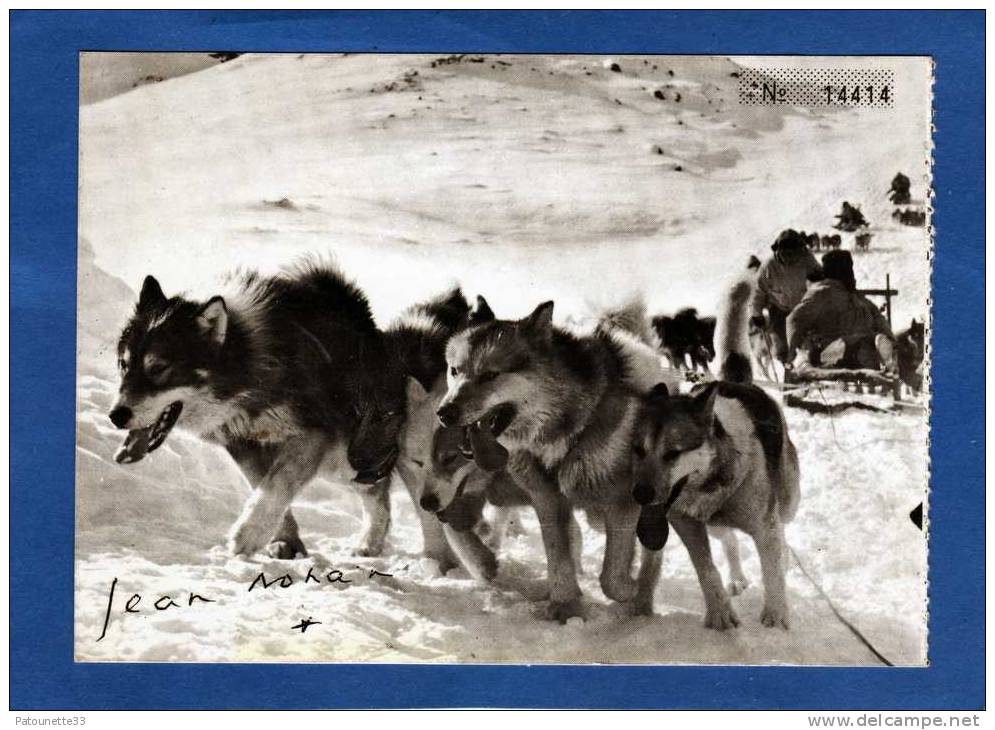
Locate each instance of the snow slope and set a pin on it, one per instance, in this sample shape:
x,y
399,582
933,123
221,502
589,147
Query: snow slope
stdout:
x,y
523,178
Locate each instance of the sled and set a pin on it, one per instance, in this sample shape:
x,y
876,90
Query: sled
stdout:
x,y
807,385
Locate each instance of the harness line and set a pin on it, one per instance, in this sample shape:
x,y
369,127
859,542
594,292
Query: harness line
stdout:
x,y
832,606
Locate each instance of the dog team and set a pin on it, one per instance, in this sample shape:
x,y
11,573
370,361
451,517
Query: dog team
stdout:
x,y
294,378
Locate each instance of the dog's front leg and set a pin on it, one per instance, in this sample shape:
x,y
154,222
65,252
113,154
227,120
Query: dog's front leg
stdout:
x,y
376,513
295,462
650,564
255,461
718,608
434,544
478,559
738,581
554,513
620,543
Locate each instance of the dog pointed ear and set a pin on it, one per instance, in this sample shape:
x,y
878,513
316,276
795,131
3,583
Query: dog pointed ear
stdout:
x,y
415,391
456,299
481,313
151,295
659,393
540,322
213,320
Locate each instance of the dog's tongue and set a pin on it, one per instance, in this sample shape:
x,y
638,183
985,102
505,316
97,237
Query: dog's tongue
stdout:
x,y
135,446
487,452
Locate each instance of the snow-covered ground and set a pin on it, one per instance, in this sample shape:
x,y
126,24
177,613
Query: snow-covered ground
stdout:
x,y
523,178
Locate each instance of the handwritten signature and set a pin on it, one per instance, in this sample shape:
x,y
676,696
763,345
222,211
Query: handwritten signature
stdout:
x,y
167,602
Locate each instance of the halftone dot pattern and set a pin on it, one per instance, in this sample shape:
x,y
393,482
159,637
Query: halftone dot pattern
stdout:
x,y
825,87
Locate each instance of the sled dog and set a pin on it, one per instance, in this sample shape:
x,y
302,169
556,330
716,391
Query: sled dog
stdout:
x,y
685,336
451,490
721,456
557,409
910,346
414,360
273,373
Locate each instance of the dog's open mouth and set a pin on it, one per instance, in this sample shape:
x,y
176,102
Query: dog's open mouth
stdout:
x,y
374,474
142,441
480,439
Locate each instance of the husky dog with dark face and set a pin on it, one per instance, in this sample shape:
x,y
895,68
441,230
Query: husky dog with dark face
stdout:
x,y
557,410
272,373
414,360
722,456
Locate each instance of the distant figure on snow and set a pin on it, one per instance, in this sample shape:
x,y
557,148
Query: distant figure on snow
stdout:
x,y
849,218
837,326
781,284
899,193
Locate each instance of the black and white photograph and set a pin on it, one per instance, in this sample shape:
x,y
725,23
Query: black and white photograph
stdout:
x,y
499,358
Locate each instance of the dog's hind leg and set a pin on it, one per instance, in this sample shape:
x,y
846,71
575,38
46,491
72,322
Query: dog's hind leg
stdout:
x,y
718,608
620,543
255,460
769,538
730,545
376,518
294,463
287,543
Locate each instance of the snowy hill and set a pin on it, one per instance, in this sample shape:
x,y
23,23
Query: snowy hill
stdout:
x,y
523,178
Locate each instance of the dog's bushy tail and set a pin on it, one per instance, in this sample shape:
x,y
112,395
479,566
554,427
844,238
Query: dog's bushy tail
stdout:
x,y
732,341
630,317
627,327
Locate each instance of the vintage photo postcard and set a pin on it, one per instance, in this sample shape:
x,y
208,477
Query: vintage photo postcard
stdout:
x,y
476,358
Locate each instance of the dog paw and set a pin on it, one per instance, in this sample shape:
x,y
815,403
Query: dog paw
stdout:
x,y
445,561
775,617
367,551
248,538
641,606
563,611
738,585
371,546
286,549
488,568
619,588
721,618
441,553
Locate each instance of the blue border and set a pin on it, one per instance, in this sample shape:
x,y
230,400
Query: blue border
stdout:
x,y
43,130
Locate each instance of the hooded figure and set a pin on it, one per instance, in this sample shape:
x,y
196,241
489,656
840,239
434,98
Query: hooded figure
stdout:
x,y
850,218
781,284
832,310
899,193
